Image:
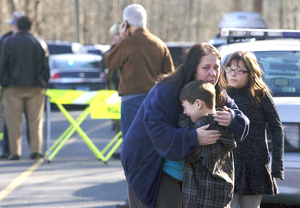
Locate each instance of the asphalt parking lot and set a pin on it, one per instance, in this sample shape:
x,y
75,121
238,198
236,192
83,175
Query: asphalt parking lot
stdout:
x,y
74,178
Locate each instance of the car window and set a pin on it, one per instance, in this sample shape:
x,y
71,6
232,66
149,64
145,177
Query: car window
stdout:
x,y
95,51
177,54
282,71
59,49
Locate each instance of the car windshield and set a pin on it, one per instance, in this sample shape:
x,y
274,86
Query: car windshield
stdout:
x,y
66,64
282,71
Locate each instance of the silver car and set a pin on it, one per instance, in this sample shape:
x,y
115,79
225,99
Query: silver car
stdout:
x,y
278,53
77,72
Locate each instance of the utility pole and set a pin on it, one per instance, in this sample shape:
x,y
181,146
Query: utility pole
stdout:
x,y
76,22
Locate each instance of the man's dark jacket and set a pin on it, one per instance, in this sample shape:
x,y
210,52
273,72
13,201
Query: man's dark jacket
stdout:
x,y
5,36
23,62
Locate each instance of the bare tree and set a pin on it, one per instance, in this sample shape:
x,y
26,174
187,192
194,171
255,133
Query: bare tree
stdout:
x,y
25,7
171,20
34,16
258,6
282,14
10,6
237,5
199,18
84,22
295,17
189,20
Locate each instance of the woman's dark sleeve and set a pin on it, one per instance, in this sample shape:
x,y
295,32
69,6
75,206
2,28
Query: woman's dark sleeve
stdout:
x,y
160,120
277,135
239,124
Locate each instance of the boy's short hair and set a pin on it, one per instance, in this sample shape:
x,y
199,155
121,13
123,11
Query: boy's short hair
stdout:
x,y
201,90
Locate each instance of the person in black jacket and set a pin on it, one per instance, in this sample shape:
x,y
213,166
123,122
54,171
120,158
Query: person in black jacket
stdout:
x,y
3,128
24,74
5,145
254,175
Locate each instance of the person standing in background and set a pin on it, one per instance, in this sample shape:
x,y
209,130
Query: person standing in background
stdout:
x,y
141,58
113,77
24,74
3,128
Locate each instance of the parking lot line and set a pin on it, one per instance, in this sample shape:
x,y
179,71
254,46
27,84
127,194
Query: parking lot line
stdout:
x,y
23,176
19,180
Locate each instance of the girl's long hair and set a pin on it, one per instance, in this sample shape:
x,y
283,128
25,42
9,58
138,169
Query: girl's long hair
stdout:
x,y
186,72
256,86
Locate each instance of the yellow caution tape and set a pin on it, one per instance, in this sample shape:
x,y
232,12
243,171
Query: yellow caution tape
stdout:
x,y
61,96
106,105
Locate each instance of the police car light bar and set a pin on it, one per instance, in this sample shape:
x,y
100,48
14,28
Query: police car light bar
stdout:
x,y
237,33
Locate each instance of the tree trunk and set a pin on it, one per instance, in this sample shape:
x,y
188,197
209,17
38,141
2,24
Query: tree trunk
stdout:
x,y
281,15
295,16
189,20
199,17
26,7
34,16
10,6
237,5
258,6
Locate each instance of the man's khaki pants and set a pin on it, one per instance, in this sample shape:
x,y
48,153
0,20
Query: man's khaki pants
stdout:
x,y
16,99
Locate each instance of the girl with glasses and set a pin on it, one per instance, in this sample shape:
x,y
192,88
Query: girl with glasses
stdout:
x,y
254,175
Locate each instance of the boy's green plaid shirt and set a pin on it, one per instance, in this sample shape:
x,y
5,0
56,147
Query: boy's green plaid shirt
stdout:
x,y
209,171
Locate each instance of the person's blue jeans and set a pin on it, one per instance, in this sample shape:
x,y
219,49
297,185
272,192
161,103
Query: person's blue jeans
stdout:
x,y
129,109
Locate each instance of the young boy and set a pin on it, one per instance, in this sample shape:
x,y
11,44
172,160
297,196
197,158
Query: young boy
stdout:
x,y
209,171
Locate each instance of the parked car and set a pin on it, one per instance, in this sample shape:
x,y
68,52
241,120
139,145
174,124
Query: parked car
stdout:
x,y
63,47
278,53
97,49
77,71
250,20
177,50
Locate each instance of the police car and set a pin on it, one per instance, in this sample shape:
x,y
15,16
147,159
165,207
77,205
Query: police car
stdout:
x,y
278,53
238,20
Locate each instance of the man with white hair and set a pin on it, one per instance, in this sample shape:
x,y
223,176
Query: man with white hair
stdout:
x,y
141,57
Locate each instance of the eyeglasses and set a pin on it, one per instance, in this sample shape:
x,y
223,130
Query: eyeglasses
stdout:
x,y
236,71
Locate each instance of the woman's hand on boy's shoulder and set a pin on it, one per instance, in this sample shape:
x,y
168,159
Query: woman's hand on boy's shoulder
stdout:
x,y
223,117
207,137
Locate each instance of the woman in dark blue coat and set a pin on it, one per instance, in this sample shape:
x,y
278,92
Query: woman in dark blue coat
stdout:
x,y
154,134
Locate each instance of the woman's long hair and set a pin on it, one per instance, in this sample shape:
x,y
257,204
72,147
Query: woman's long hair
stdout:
x,y
186,72
256,85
